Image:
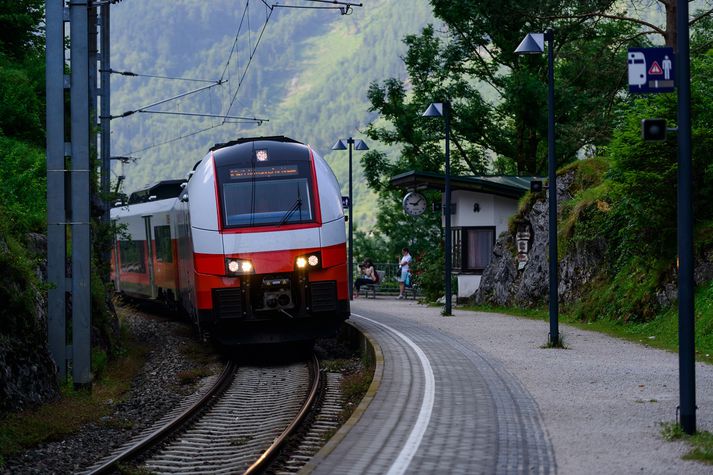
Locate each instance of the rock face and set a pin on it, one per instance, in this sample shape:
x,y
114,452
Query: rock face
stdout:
x,y
503,284
27,373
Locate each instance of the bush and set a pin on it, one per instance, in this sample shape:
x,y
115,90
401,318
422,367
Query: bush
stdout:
x,y
23,172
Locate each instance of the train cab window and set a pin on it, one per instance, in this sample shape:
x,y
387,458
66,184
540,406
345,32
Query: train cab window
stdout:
x,y
164,250
132,256
268,195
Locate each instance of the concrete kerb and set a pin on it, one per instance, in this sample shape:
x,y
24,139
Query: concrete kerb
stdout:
x,y
337,438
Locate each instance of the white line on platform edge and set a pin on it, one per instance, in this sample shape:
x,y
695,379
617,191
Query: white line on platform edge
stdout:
x,y
424,416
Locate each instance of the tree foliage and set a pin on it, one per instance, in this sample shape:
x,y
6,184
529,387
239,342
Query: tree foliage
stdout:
x,y
22,107
499,107
644,174
20,27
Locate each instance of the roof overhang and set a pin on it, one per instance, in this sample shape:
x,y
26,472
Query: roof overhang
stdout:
x,y
501,185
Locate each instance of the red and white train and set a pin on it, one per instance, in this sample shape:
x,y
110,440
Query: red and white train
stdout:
x,y
252,246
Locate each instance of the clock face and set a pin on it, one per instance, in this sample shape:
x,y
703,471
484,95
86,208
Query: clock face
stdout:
x,y
414,203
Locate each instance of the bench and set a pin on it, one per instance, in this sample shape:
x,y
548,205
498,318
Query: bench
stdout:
x,y
411,289
373,288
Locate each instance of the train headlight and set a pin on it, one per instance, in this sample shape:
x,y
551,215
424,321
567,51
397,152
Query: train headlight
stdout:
x,y
238,266
233,266
312,261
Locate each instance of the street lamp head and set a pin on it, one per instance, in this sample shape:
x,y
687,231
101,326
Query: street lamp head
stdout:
x,y
359,144
435,109
339,145
533,43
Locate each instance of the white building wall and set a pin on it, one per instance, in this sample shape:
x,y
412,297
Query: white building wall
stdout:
x,y
494,211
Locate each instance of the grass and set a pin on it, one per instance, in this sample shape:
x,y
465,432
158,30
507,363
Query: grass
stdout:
x,y
192,376
357,374
702,442
661,332
558,344
56,420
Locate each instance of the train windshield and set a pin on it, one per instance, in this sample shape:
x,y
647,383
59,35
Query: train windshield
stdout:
x,y
268,195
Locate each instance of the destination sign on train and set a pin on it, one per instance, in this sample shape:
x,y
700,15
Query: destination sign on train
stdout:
x,y
263,172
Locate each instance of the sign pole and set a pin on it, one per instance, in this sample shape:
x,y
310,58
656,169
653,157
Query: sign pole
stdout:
x,y
686,314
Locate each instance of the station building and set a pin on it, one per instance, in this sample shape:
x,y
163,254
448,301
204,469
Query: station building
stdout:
x,y
481,207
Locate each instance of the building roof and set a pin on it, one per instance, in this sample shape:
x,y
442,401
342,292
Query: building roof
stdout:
x,y
502,185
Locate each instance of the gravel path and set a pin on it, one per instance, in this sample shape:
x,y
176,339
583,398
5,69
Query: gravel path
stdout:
x,y
602,400
154,392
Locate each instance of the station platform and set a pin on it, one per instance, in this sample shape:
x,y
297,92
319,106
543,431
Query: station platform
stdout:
x,y
477,393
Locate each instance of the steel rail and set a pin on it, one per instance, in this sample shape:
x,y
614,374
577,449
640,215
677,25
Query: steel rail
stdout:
x,y
162,433
261,463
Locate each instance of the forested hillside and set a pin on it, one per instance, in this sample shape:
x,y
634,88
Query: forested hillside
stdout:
x,y
27,370
309,77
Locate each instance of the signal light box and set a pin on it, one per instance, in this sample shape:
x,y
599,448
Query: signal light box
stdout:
x,y
653,129
651,70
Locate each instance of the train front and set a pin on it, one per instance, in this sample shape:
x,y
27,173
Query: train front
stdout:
x,y
270,252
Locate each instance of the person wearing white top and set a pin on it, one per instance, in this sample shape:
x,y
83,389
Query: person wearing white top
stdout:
x,y
403,271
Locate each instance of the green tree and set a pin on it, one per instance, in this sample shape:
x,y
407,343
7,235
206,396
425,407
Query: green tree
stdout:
x,y
644,174
20,27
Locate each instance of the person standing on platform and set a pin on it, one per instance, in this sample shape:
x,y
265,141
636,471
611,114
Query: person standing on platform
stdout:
x,y
403,275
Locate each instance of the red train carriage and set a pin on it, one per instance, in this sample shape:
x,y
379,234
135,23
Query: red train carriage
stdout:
x,y
257,244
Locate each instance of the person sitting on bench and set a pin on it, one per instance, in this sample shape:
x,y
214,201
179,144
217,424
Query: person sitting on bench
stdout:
x,y
368,276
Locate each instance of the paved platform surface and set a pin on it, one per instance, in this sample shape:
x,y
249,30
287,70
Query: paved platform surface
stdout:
x,y
476,393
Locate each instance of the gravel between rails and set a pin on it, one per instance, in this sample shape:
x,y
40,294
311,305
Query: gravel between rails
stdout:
x,y
154,392
602,399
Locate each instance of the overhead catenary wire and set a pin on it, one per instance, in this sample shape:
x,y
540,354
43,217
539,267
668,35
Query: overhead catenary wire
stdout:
x,y
175,139
250,58
156,76
343,6
235,41
246,120
163,101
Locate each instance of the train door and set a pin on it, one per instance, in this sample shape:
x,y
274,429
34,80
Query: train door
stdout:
x,y
150,257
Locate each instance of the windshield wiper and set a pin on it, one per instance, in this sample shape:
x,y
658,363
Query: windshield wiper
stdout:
x,y
295,207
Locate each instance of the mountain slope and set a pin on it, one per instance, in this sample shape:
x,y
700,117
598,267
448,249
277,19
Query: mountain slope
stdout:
x,y
309,76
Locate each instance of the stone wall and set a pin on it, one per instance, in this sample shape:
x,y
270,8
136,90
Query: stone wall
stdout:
x,y
503,284
27,373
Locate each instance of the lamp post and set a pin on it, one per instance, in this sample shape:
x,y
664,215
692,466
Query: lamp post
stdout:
x,y
342,145
686,282
534,43
442,109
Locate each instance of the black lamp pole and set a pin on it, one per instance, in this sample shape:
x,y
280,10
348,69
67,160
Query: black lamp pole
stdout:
x,y
438,109
447,120
359,145
552,181
686,304
533,43
350,253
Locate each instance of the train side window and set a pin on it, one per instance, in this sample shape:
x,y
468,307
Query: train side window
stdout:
x,y
164,250
132,256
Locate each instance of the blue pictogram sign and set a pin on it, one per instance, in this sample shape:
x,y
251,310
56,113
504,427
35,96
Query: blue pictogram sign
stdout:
x,y
651,70
345,202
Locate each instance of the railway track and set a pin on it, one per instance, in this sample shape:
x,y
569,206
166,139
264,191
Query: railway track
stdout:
x,y
238,425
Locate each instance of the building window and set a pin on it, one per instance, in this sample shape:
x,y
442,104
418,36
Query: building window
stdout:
x,y
164,250
472,248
